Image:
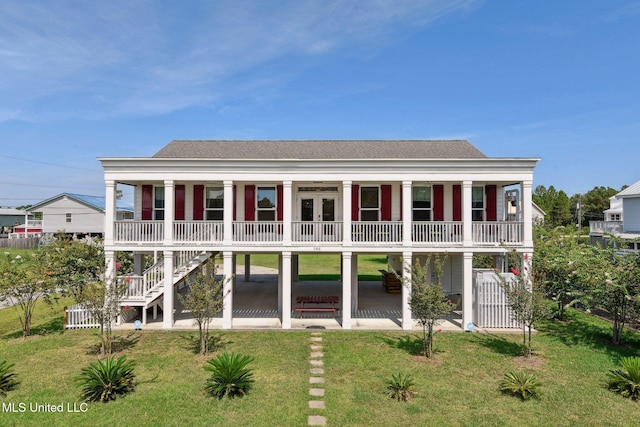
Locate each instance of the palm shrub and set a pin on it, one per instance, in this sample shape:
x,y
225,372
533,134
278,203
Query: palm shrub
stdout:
x,y
626,381
520,384
7,378
399,387
230,376
105,381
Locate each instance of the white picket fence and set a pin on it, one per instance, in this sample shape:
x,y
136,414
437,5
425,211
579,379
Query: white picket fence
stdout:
x,y
78,317
490,305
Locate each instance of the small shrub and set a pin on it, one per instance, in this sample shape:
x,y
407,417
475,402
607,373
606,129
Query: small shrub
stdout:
x,y
520,384
105,381
230,376
399,387
7,378
626,381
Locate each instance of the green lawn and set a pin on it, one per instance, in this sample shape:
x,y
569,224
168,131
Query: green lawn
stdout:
x,y
323,266
458,388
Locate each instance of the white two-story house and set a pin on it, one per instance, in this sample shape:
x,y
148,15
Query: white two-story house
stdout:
x,y
621,220
405,199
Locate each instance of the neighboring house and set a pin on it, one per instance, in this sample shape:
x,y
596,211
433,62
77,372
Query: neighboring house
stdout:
x,y
513,203
403,199
77,214
9,218
622,220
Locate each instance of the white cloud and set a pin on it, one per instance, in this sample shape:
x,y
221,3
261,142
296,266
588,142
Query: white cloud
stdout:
x,y
138,58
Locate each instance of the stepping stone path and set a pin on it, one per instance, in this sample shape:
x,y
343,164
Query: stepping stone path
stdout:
x,y
316,380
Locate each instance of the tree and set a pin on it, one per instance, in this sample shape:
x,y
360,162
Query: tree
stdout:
x,y
619,290
428,301
593,204
555,203
527,302
23,282
78,269
204,299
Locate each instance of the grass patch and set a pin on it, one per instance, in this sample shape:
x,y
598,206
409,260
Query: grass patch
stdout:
x,y
459,387
323,266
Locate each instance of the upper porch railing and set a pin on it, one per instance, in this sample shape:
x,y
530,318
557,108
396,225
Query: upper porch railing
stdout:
x,y
427,233
599,227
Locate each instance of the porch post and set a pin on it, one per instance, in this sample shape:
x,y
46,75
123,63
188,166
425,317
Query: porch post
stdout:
x,y
406,213
407,322
467,291
168,212
110,270
109,214
286,290
467,223
346,290
346,213
167,297
286,212
227,217
354,283
227,293
527,214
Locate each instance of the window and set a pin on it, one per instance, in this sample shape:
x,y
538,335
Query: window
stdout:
x,y
266,203
477,203
214,203
369,204
158,203
615,217
68,217
422,203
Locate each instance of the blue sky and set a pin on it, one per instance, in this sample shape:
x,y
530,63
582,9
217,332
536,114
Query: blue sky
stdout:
x,y
553,79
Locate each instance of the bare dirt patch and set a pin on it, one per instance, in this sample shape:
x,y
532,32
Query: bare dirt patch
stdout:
x,y
530,362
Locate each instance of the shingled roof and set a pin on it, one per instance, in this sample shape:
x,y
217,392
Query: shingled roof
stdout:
x,y
320,150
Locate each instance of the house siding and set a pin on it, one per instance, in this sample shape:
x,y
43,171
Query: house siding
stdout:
x,y
631,221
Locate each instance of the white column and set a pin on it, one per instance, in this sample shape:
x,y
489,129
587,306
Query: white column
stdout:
x,y
354,283
109,214
287,213
407,198
138,263
286,290
346,213
227,217
280,285
467,291
167,297
467,224
169,211
227,293
527,214
109,269
346,290
407,322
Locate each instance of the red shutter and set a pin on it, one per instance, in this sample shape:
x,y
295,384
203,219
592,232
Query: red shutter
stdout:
x,y
179,201
234,202
438,202
147,202
457,202
249,203
355,202
492,207
198,202
279,203
385,212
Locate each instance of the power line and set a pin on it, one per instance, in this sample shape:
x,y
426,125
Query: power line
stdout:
x,y
49,164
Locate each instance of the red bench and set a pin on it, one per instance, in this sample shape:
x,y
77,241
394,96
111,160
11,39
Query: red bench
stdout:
x,y
316,309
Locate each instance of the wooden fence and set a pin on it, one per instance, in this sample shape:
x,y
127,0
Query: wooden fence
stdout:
x,y
23,243
78,317
491,308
